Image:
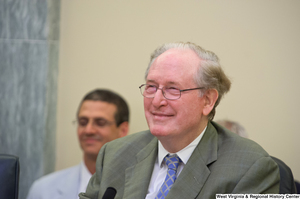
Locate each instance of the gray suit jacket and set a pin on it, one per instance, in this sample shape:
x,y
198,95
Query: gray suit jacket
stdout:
x,y
223,162
62,184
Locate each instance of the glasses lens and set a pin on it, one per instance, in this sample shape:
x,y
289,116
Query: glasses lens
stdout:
x,y
101,122
82,122
98,122
148,90
171,93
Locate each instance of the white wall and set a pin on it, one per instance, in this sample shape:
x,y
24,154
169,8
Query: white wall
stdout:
x,y
107,44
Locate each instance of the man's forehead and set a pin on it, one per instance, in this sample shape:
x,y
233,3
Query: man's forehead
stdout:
x,y
92,107
166,82
176,59
174,67
97,103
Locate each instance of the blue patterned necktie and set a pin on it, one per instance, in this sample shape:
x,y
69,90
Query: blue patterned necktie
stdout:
x,y
172,163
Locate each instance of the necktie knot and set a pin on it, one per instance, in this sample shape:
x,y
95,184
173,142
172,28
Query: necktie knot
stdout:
x,y
172,161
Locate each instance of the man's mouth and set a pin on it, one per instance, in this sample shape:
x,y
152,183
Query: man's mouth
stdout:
x,y
91,140
159,115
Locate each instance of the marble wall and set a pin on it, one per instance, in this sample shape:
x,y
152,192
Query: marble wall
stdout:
x,y
29,43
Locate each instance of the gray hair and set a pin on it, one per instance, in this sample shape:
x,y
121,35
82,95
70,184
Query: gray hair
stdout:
x,y
234,127
209,75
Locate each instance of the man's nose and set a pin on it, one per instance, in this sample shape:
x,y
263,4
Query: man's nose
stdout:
x,y
159,99
90,127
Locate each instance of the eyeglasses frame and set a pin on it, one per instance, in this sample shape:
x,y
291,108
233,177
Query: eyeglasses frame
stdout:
x,y
157,88
108,123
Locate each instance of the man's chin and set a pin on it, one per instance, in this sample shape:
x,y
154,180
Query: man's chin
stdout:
x,y
89,149
93,154
158,132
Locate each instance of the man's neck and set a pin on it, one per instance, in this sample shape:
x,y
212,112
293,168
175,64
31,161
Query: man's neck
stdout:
x,y
90,163
176,143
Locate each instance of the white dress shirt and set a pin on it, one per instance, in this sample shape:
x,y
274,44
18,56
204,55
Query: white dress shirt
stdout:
x,y
160,168
85,176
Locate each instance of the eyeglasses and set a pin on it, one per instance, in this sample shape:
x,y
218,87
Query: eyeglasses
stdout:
x,y
168,92
97,122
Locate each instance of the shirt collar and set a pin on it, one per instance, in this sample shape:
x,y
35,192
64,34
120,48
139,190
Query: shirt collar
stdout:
x,y
85,176
184,154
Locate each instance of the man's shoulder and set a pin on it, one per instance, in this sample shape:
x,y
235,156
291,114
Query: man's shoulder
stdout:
x,y
137,140
246,145
142,135
239,163
128,147
51,185
56,178
233,142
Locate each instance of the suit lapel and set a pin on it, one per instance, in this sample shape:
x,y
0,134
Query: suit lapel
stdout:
x,y
137,177
196,171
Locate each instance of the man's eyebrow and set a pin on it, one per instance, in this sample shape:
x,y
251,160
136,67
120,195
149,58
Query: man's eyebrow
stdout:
x,y
82,117
168,83
173,83
99,118
151,81
94,118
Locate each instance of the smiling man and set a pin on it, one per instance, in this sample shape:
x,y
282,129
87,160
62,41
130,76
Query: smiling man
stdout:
x,y
184,154
102,117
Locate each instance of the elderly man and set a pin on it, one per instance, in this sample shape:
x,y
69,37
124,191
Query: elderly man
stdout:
x,y
102,117
183,154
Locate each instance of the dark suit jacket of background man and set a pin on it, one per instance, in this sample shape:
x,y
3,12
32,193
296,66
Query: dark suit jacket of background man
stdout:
x,y
287,182
222,162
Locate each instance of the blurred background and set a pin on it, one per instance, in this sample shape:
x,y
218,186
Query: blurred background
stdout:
x,y
107,44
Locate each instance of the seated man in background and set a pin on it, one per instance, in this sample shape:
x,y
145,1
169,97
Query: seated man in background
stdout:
x,y
287,183
184,154
234,127
102,117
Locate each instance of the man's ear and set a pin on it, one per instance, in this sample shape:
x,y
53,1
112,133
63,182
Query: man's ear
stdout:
x,y
123,129
210,96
